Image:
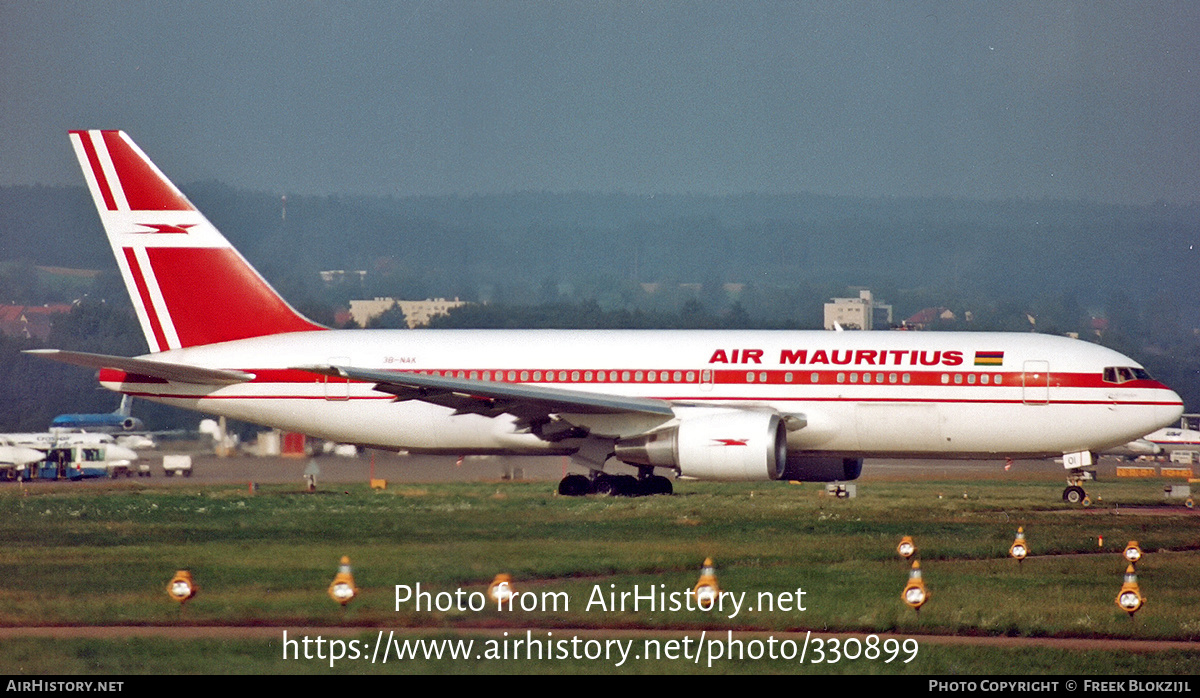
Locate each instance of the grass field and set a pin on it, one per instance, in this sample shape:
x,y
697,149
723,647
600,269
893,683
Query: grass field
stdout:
x,y
76,556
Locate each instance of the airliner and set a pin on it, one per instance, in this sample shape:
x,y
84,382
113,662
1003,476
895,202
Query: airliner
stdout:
x,y
68,455
1181,437
625,405
106,422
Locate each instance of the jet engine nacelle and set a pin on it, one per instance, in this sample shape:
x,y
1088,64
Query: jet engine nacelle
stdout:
x,y
806,468
725,446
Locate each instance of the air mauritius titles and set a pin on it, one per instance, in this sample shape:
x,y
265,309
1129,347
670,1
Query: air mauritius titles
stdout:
x,y
854,357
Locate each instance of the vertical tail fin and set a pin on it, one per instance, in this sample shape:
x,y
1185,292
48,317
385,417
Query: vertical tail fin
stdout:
x,y
188,284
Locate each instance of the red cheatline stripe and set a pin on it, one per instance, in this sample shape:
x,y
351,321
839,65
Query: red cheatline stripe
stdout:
x,y
801,380
697,398
135,270
97,171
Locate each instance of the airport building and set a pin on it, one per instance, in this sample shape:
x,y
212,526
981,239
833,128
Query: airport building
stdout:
x,y
862,313
416,313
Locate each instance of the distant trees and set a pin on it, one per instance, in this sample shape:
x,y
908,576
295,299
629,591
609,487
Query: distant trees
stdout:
x,y
391,319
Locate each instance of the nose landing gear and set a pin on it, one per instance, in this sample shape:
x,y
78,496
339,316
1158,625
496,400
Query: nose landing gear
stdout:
x,y
1074,492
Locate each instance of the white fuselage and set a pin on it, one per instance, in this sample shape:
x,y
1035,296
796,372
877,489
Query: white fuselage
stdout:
x,y
859,393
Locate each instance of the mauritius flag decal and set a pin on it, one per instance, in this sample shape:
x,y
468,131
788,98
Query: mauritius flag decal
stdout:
x,y
989,358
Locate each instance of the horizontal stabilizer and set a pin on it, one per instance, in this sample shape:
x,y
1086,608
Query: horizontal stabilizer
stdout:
x,y
179,373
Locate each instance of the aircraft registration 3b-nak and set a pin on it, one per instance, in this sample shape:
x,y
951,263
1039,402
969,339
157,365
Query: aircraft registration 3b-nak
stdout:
x,y
721,405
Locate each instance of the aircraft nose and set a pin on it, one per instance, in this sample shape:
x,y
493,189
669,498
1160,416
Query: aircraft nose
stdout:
x,y
19,455
121,453
1170,410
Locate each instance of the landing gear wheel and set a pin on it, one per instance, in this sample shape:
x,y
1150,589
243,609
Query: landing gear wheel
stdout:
x,y
603,484
654,484
626,486
1074,495
574,486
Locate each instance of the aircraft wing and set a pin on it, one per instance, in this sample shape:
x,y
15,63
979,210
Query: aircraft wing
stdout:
x,y
530,403
180,373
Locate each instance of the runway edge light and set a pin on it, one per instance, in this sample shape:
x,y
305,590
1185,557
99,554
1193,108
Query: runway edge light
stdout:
x,y
1130,598
1019,549
1133,552
915,594
342,588
181,587
907,547
707,591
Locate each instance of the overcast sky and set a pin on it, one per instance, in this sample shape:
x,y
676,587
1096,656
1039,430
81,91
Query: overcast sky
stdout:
x,y
982,100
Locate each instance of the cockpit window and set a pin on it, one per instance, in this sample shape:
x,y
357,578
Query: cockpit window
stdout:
x,y
1123,374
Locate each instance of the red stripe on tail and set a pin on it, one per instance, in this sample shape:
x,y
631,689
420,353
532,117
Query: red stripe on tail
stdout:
x,y
97,171
143,290
213,295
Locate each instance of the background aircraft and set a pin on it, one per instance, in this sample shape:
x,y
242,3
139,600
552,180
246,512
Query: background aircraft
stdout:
x,y
108,422
66,455
1184,437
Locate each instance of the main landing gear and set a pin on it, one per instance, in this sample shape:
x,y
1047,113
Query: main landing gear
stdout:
x,y
645,484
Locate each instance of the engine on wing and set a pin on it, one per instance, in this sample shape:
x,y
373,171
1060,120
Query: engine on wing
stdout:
x,y
724,446
807,468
